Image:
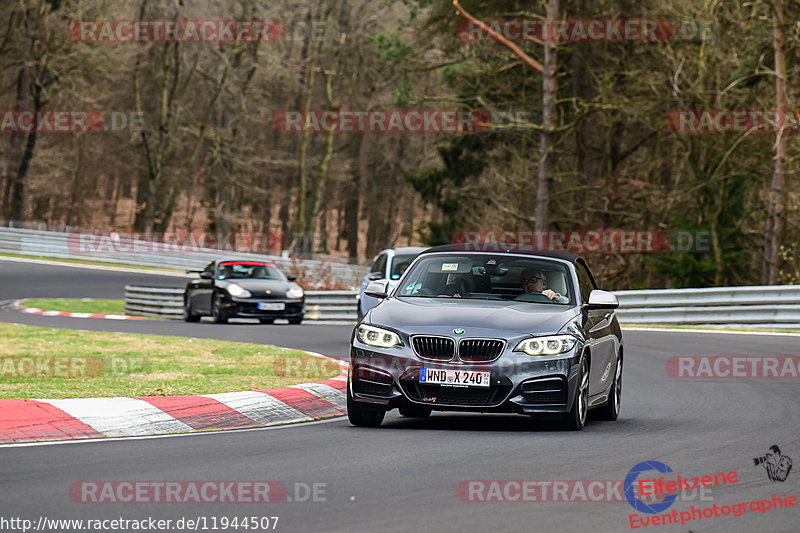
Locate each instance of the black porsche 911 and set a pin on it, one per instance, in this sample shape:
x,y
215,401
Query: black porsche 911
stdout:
x,y
513,331
243,289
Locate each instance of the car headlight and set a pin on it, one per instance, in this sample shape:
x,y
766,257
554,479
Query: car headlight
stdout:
x,y
551,345
294,292
235,290
382,338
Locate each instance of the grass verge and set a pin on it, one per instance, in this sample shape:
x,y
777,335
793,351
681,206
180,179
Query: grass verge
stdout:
x,y
61,363
84,305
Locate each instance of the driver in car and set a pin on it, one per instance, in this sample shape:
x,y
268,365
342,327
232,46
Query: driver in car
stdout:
x,y
533,281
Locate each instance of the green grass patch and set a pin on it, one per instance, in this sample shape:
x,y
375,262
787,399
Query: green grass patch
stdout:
x,y
88,262
84,305
60,363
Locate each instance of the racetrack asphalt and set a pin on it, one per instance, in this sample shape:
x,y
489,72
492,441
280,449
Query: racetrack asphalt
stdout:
x,y
404,475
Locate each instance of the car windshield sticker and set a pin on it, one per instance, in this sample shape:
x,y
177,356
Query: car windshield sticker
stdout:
x,y
449,267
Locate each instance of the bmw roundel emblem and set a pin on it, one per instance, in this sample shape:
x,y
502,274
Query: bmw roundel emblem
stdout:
x,y
458,331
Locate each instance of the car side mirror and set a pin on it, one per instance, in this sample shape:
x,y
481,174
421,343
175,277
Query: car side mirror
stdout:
x,y
602,300
291,278
376,289
206,275
374,276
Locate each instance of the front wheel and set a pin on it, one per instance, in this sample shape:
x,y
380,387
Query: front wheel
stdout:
x,y
219,315
267,320
610,411
361,415
295,320
576,418
188,312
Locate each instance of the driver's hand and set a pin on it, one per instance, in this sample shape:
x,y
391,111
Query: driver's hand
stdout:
x,y
550,294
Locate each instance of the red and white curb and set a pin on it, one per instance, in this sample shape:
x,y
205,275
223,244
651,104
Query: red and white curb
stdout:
x,y
36,311
87,418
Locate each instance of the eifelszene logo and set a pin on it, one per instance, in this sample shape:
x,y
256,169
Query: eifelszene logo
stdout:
x,y
630,484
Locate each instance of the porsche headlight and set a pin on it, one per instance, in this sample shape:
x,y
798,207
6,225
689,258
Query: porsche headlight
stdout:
x,y
551,345
237,291
294,292
381,338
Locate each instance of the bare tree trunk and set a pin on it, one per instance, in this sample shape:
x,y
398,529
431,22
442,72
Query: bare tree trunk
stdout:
x,y
301,242
774,224
29,91
549,85
353,192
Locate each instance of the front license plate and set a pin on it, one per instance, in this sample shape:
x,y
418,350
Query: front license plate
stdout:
x,y
455,378
271,306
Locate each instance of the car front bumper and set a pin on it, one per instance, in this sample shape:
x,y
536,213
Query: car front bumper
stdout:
x,y
248,308
518,383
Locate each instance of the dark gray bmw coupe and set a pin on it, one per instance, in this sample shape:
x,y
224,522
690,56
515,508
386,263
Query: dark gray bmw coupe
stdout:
x,y
490,331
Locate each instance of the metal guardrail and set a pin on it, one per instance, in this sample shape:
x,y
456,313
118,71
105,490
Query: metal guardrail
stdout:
x,y
332,306
765,306
154,301
771,306
320,306
66,245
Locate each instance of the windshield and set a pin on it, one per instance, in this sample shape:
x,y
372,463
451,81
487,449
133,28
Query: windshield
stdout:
x,y
400,264
489,277
249,270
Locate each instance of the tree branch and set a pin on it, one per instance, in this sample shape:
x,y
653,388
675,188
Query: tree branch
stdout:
x,y
531,62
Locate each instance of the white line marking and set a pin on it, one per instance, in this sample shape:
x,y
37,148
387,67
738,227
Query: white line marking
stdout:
x,y
120,417
260,407
724,332
326,392
170,436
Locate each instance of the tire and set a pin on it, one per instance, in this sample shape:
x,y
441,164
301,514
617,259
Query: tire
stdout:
x,y
267,320
576,418
363,416
188,315
295,320
610,411
218,314
414,411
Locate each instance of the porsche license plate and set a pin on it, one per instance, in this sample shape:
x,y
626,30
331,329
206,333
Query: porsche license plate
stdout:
x,y
456,378
271,306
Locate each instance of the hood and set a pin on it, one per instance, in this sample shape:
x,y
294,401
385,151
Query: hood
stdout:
x,y
260,286
427,315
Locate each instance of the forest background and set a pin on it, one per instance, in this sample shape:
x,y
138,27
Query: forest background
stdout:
x,y
579,139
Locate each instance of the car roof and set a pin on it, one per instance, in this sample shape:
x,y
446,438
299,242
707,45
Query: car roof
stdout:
x,y
247,262
504,248
409,250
